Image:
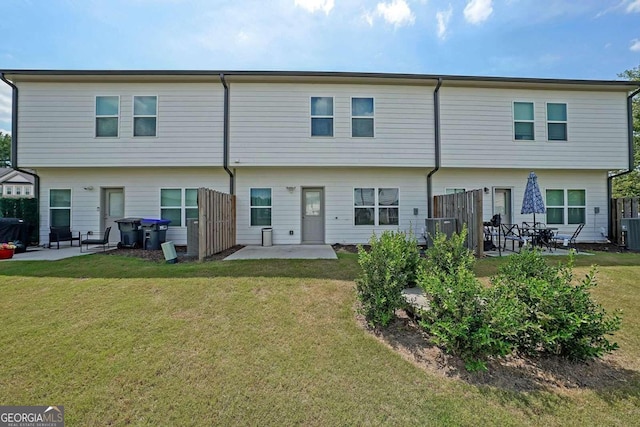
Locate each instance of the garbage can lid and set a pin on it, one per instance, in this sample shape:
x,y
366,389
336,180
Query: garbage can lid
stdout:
x,y
129,220
151,221
267,228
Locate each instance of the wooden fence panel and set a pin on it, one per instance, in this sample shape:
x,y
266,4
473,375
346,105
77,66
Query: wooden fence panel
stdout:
x,y
466,208
216,222
625,207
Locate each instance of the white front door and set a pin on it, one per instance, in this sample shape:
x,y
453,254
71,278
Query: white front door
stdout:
x,y
112,209
312,215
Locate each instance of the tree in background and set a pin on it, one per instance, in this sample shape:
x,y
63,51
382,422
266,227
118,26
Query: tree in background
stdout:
x,y
629,185
5,150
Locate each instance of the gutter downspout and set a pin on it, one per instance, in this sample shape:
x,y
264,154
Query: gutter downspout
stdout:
x,y
631,165
225,136
14,145
436,133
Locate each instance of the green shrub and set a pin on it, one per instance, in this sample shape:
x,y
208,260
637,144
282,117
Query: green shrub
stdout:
x,y
388,267
463,317
560,318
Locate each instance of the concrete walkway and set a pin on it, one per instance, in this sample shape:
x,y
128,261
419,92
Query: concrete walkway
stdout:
x,y
284,252
37,253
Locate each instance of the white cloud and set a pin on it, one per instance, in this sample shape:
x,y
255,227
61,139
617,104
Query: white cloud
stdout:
x,y
634,6
5,131
397,12
443,17
635,45
316,5
478,11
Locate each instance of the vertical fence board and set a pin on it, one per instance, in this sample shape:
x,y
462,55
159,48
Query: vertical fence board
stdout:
x,y
216,221
466,208
624,207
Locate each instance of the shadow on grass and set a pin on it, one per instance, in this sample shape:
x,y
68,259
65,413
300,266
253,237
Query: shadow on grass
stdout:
x,y
514,377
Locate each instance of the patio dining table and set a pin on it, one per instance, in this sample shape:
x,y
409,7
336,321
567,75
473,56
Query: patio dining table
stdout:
x,y
540,236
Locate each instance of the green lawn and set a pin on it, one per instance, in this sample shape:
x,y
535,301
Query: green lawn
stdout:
x,y
124,341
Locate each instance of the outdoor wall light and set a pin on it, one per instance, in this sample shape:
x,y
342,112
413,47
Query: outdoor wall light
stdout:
x,y
290,189
486,190
89,188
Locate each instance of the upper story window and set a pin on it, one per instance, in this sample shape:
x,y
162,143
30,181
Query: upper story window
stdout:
x,y
145,115
362,122
107,116
523,121
556,122
321,116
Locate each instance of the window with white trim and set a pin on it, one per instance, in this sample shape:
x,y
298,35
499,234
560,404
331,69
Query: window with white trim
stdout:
x,y
566,206
362,118
454,190
107,116
261,204
178,205
8,190
523,121
145,115
322,116
60,207
556,121
376,206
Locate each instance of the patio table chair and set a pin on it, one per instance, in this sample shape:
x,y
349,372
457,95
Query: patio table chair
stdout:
x,y
568,239
103,242
513,233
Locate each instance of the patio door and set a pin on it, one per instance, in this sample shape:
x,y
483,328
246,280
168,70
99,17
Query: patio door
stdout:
x,y
502,204
313,215
112,209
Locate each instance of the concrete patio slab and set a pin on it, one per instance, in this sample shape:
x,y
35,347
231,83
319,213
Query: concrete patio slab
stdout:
x,y
284,252
37,253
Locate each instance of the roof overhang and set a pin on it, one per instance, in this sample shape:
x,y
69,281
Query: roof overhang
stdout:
x,y
18,76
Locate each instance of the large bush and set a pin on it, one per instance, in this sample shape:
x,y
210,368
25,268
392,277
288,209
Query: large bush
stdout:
x,y
561,317
388,267
531,307
461,316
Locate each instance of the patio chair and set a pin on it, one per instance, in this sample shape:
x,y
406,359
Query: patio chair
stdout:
x,y
512,232
570,239
103,242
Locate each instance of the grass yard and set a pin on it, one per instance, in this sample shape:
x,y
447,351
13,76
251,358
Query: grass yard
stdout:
x,y
122,341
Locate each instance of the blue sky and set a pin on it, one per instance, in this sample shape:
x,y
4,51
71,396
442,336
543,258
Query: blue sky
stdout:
x,y
581,39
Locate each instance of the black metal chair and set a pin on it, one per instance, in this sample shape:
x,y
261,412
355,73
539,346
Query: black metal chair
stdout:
x,y
103,242
570,239
512,232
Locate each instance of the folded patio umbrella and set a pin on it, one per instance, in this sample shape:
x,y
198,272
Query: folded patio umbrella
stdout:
x,y
532,202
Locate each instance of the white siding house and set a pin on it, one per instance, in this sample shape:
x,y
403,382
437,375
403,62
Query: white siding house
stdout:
x,y
319,157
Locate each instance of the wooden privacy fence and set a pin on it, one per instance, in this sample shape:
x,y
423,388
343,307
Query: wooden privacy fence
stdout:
x,y
625,207
466,208
216,222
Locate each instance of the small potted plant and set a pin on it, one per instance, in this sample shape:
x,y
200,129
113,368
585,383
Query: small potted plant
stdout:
x,y
6,250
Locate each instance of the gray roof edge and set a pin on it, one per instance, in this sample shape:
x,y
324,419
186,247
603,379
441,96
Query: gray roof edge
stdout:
x,y
348,74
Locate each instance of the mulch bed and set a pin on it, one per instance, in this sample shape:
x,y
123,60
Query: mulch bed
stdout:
x,y
513,373
158,255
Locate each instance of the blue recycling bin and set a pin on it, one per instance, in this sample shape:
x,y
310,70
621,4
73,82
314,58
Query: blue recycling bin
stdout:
x,y
154,232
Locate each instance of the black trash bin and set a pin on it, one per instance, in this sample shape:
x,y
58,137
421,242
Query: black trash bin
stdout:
x,y
130,232
154,233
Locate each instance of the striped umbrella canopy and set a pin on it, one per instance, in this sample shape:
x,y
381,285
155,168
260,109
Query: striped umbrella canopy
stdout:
x,y
532,202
